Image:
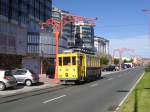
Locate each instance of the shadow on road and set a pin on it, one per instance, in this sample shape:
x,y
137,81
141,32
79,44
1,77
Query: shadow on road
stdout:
x,y
122,91
38,84
19,86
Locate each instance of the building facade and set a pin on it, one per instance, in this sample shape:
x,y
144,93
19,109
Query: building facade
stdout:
x,y
20,37
86,32
68,31
57,15
101,45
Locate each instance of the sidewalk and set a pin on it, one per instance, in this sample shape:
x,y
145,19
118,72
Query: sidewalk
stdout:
x,y
43,84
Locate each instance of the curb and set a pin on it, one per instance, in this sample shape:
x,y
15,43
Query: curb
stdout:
x,y
17,96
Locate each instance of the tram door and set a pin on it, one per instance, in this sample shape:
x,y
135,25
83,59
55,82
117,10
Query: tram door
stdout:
x,y
81,66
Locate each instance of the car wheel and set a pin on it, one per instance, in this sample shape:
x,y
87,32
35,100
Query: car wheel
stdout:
x,y
2,86
28,82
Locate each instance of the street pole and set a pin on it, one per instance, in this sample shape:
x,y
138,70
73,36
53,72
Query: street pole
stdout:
x,y
57,51
120,62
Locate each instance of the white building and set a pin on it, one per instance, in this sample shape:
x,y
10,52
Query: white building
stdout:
x,y
101,45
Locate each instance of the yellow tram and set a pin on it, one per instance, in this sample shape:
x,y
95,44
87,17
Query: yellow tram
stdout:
x,y
78,66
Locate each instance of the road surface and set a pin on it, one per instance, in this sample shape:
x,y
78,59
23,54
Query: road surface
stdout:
x,y
99,96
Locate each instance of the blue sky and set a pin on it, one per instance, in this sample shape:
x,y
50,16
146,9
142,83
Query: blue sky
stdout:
x,y
120,21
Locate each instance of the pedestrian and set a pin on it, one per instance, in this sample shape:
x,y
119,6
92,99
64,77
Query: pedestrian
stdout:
x,y
47,73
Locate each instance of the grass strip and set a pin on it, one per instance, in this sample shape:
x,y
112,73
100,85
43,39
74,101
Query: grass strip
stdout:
x,y
139,99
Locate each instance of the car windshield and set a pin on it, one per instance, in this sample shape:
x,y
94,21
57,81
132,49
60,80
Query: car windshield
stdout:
x,y
8,73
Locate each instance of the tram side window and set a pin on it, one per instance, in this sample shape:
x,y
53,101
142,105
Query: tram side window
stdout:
x,y
60,61
80,60
88,61
66,61
73,60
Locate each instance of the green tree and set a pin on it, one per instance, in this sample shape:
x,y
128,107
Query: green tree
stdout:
x,y
116,61
128,61
125,61
104,60
131,60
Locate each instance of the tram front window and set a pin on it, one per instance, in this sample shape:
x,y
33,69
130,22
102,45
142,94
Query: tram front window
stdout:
x,y
66,61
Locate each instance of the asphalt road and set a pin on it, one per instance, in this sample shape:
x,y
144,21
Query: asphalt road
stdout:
x,y
99,96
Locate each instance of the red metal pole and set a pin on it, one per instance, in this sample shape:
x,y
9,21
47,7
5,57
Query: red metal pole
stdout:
x,y
57,51
120,61
113,56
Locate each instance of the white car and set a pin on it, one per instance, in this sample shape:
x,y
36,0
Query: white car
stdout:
x,y
7,79
25,76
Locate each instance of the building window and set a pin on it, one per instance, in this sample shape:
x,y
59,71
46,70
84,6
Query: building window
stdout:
x,y
37,4
33,43
33,39
4,9
33,48
14,14
15,4
37,14
23,18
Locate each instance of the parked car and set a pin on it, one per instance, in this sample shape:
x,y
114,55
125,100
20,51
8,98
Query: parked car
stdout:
x,y
25,76
125,66
7,79
110,68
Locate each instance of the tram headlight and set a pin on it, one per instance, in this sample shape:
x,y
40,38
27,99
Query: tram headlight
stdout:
x,y
66,74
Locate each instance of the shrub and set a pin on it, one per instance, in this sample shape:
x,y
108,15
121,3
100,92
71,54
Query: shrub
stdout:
x,y
147,69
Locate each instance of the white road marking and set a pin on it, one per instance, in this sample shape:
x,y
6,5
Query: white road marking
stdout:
x,y
133,87
110,79
93,85
54,99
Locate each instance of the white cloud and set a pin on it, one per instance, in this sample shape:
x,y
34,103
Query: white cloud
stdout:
x,y
140,44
